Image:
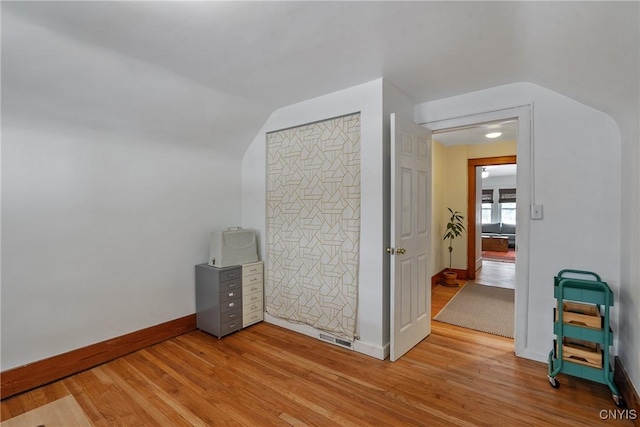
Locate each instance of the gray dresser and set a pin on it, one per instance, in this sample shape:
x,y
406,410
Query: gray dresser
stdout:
x,y
218,299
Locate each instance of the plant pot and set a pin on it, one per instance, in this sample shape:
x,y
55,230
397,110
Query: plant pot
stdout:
x,y
450,278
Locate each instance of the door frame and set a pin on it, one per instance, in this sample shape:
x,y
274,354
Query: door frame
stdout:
x,y
526,196
471,205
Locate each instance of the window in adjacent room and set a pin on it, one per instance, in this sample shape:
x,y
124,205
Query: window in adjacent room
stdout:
x,y
487,205
507,213
486,212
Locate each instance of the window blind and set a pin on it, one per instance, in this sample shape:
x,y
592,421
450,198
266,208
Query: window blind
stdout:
x,y
507,195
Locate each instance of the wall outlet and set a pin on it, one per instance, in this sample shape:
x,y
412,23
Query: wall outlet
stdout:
x,y
536,211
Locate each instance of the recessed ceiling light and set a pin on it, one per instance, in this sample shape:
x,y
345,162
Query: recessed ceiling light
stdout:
x,y
493,134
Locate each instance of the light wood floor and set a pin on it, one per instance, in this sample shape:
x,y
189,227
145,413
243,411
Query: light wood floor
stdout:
x,y
500,274
265,375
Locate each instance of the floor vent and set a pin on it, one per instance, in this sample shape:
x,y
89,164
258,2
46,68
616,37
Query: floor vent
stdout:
x,y
336,341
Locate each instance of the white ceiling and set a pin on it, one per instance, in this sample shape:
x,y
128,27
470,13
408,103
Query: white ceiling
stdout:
x,y
477,134
212,72
501,170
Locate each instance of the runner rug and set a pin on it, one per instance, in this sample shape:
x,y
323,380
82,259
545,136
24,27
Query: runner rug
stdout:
x,y
482,308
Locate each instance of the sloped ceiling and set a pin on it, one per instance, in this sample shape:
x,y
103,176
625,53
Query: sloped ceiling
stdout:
x,y
212,72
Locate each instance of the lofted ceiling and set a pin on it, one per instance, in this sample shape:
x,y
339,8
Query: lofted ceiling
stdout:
x,y
212,72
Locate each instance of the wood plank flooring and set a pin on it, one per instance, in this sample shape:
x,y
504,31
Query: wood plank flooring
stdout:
x,y
500,274
265,375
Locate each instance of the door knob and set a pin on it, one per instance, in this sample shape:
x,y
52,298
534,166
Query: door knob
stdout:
x,y
390,251
400,251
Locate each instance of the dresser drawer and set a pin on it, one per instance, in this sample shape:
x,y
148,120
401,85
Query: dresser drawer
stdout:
x,y
230,305
233,273
253,279
251,318
234,314
229,295
250,269
252,298
252,307
230,326
231,285
252,289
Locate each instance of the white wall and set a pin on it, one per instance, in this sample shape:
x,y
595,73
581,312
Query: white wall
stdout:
x,y
109,192
366,99
100,234
576,161
629,349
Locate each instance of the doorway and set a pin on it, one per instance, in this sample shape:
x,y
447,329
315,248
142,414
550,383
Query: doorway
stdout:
x,y
522,116
472,152
491,208
493,196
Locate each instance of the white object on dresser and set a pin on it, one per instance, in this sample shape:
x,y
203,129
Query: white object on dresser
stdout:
x,y
233,246
252,293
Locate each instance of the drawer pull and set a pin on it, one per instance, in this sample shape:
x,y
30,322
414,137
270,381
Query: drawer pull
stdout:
x,y
254,306
233,285
231,274
232,326
232,304
231,294
231,316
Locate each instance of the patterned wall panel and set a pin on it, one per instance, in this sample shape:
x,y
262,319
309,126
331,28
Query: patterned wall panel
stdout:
x,y
313,224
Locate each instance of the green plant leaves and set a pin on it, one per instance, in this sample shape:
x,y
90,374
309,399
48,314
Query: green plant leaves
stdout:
x,y
455,228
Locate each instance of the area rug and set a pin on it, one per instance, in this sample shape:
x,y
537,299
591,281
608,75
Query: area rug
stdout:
x,y
65,412
509,256
481,308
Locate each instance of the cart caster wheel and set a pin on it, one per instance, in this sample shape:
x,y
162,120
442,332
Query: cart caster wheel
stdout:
x,y
618,400
554,382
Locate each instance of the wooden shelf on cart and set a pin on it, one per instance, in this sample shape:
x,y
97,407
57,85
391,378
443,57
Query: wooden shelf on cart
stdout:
x,y
587,315
582,352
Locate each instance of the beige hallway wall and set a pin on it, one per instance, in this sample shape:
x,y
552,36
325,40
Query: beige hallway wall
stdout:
x,y
450,191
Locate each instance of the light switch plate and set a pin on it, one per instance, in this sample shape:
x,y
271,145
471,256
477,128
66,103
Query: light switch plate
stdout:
x,y
536,211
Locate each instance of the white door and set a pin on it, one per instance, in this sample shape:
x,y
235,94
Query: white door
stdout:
x,y
410,239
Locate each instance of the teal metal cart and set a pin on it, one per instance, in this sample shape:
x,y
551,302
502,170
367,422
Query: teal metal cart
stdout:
x,y
582,287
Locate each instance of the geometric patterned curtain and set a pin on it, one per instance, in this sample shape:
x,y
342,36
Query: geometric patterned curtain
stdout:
x,y
313,224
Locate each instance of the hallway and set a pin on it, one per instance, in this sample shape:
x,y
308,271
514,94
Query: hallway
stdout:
x,y
499,274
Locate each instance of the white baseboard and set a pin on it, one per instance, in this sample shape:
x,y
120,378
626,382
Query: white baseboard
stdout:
x,y
370,349
358,346
533,355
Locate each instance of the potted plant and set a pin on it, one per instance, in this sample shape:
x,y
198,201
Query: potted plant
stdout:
x,y
454,229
